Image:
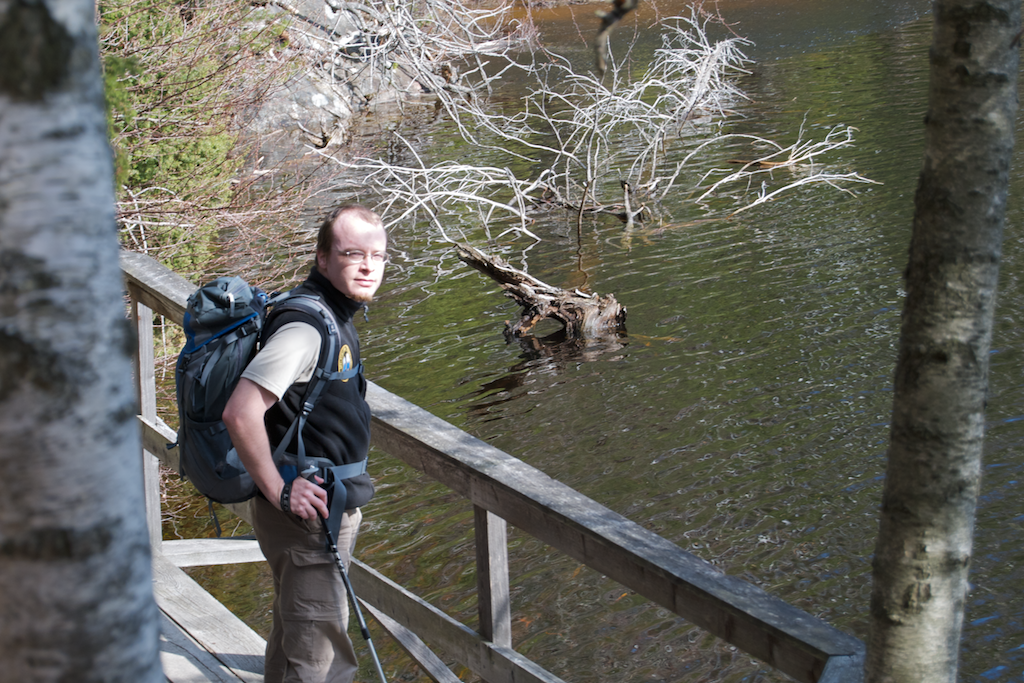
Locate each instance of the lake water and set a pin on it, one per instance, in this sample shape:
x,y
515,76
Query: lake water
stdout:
x,y
745,417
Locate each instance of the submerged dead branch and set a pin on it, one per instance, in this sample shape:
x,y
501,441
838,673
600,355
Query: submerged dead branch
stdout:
x,y
798,157
585,316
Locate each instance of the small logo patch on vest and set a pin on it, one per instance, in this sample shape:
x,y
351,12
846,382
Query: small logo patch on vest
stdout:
x,y
345,360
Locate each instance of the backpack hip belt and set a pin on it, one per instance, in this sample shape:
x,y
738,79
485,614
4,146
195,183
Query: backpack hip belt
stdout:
x,y
288,466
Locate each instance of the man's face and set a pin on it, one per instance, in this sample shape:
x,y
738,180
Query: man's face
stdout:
x,y
357,278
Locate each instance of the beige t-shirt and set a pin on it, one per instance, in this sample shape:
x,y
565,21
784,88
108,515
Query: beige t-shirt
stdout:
x,y
289,356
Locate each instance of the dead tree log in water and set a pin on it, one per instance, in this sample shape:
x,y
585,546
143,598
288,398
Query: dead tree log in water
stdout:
x,y
585,316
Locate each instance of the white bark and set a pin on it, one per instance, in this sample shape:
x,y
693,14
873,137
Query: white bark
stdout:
x,y
925,537
75,578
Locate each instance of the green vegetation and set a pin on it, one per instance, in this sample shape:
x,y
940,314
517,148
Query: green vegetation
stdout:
x,y
180,77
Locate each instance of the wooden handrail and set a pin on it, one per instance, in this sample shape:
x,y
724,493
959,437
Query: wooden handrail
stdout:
x,y
503,488
161,289
772,630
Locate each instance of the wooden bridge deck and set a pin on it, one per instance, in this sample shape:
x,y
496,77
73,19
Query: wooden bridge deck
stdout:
x,y
201,641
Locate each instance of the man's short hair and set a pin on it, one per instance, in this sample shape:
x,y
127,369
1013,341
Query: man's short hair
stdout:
x,y
325,237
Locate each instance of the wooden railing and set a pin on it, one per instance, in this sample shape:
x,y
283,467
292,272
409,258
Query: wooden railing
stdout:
x,y
504,490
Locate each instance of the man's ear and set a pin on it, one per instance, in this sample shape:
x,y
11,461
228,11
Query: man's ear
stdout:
x,y
319,262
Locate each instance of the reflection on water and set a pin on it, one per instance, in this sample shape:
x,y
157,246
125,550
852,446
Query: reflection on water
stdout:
x,y
778,28
745,414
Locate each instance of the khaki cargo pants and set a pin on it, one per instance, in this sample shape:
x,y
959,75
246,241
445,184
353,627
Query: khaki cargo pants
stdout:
x,y
308,640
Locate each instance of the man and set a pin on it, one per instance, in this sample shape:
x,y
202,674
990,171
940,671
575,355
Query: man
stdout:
x,y
308,639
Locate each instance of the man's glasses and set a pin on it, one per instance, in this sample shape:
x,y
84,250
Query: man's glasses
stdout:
x,y
352,257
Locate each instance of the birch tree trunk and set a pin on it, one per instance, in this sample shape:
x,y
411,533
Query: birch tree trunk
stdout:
x,y
934,471
75,579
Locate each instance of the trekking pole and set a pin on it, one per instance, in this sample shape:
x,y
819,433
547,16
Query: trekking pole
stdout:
x,y
352,597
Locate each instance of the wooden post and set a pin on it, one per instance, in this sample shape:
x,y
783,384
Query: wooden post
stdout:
x,y
492,578
145,376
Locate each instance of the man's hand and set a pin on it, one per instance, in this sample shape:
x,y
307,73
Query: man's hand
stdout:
x,y
243,417
307,499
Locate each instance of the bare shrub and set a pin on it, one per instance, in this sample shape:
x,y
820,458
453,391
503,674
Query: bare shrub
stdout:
x,y
594,148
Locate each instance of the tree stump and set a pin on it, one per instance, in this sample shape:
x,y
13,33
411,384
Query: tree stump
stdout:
x,y
585,316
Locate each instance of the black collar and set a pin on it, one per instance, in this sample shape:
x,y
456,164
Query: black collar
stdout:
x,y
335,299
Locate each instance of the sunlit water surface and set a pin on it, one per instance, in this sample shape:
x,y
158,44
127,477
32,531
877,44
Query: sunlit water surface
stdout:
x,y
745,417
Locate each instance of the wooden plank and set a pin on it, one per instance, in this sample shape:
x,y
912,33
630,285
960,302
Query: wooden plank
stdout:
x,y
431,664
156,436
145,379
492,663
184,661
151,484
779,634
495,605
145,374
843,670
160,288
213,627
202,552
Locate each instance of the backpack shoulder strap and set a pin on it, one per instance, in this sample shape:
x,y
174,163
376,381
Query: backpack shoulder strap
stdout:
x,y
325,322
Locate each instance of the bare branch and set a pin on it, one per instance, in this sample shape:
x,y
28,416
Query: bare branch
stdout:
x,y
586,132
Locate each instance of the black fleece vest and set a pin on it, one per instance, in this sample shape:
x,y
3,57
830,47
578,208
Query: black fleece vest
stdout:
x,y
338,428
